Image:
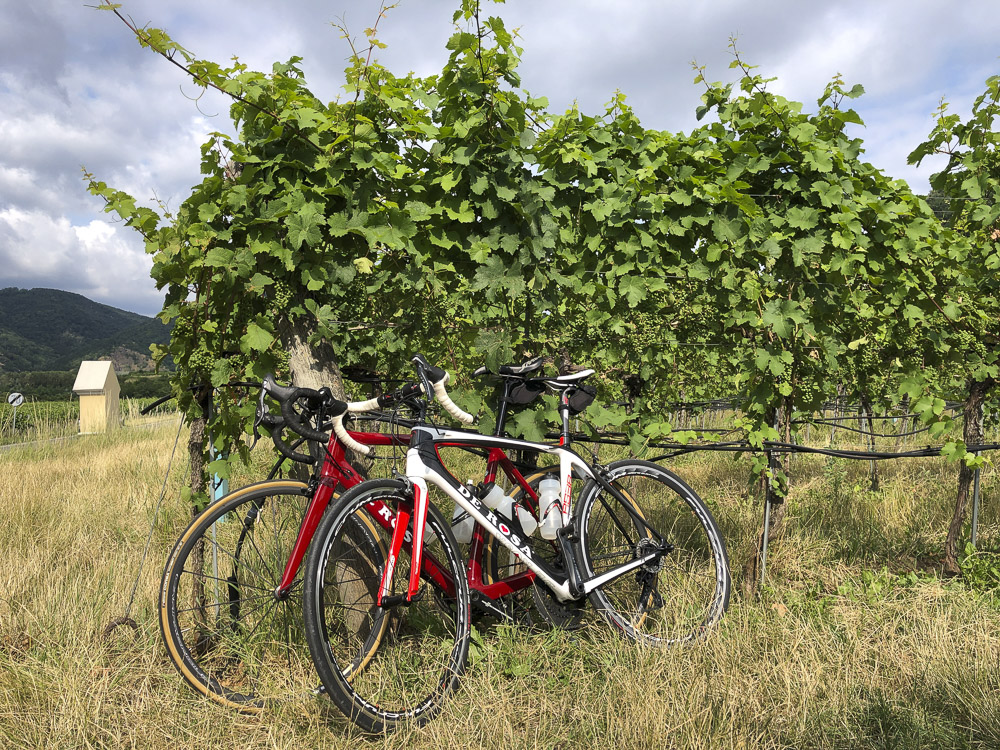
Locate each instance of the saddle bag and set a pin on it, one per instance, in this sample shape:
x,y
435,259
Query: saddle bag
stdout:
x,y
525,392
581,397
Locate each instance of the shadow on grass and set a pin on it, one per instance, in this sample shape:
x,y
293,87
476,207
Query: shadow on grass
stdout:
x,y
926,717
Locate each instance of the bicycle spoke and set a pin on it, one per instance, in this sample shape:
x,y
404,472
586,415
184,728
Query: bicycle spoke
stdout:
x,y
261,620
220,604
207,577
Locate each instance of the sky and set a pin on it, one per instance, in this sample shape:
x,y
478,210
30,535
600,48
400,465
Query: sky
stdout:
x,y
77,91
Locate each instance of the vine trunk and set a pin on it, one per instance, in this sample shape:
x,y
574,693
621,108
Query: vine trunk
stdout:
x,y
972,434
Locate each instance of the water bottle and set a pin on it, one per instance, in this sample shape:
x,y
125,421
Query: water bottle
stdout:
x,y
527,520
549,507
462,529
499,500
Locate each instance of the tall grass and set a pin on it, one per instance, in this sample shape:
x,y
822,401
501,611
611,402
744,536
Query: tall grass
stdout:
x,y
38,420
51,420
855,641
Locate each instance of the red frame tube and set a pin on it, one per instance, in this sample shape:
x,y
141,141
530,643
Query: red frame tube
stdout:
x,y
335,471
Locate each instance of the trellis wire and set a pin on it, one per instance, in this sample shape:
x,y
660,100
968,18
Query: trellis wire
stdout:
x,y
771,448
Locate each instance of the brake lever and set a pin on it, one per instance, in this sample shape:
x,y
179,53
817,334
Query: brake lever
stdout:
x,y
428,390
262,411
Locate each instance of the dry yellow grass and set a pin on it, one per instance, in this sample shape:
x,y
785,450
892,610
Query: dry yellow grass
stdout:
x,y
829,656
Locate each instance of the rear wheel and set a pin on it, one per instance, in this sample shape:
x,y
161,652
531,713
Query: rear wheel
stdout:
x,y
683,590
225,630
422,651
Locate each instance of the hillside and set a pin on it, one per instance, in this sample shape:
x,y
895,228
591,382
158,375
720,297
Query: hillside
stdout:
x,y
48,329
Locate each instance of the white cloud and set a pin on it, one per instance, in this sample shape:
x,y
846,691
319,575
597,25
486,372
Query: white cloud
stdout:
x,y
103,262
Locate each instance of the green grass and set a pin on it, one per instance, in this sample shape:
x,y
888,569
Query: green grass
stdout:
x,y
856,641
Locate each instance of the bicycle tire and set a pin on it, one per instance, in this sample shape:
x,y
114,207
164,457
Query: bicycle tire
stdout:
x,y
422,656
674,599
225,632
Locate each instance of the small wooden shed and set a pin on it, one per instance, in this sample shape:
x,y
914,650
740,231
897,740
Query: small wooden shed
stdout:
x,y
97,386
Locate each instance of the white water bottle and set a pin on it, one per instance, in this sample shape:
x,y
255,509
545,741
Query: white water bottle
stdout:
x,y
499,500
462,529
527,520
549,508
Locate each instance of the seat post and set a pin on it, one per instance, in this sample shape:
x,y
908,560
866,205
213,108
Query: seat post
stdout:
x,y
564,438
501,425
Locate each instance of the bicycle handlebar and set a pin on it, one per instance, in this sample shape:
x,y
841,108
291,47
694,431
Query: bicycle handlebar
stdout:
x,y
400,395
344,437
433,384
286,450
437,378
286,396
450,406
283,393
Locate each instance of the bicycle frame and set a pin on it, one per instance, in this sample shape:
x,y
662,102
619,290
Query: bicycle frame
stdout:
x,y
423,465
336,470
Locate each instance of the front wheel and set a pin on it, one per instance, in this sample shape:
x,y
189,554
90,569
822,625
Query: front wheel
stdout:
x,y
422,653
677,596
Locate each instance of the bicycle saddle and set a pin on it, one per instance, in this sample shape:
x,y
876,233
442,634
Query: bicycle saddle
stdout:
x,y
525,368
565,381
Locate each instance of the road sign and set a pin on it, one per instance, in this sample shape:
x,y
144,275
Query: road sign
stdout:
x,y
15,399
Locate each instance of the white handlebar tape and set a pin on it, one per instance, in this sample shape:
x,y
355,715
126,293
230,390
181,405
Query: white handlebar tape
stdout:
x,y
347,440
360,406
450,406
